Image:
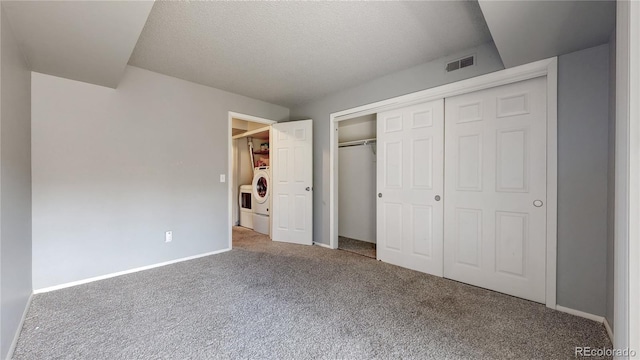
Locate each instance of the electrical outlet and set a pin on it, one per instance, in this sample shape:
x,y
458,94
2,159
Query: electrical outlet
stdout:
x,y
168,236
222,178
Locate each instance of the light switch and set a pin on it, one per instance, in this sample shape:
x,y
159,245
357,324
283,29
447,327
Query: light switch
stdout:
x,y
222,178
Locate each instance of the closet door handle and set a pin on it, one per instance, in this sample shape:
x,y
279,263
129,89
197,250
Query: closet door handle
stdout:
x,y
437,198
308,188
379,195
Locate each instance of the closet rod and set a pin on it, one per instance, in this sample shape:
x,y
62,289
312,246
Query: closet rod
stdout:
x,y
357,143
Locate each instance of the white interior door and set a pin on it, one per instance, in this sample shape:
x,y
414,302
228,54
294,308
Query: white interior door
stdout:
x,y
292,172
410,187
495,194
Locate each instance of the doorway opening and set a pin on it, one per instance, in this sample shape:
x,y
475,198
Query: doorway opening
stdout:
x,y
249,178
357,185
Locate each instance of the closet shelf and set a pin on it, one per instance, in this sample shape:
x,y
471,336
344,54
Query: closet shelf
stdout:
x,y
266,152
261,133
357,142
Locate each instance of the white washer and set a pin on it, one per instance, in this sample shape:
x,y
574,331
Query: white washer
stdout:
x,y
261,188
245,201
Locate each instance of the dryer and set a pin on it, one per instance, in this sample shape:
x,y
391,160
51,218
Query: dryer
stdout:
x,y
245,201
261,188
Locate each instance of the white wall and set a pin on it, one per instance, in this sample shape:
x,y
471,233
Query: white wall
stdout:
x,y
114,169
424,76
357,180
360,128
357,199
15,186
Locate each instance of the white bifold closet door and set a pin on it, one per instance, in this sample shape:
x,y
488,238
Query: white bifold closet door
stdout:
x,y
410,187
495,193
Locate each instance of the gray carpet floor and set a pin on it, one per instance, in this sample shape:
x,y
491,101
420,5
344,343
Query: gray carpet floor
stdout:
x,y
357,246
268,300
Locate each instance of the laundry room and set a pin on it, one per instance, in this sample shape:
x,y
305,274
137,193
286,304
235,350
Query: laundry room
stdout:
x,y
251,175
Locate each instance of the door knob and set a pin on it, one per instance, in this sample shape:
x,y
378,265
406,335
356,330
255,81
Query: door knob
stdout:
x,y
537,203
379,195
437,198
308,188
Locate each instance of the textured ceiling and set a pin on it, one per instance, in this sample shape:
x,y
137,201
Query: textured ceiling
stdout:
x,y
548,28
289,53
88,41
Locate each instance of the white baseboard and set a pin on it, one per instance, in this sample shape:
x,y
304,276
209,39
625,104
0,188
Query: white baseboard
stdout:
x,y
322,245
12,348
609,331
583,314
125,272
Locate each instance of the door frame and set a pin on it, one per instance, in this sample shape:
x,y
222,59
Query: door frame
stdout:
x,y
230,160
626,310
547,68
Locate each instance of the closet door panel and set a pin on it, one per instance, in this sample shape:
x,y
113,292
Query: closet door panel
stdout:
x,y
410,186
495,173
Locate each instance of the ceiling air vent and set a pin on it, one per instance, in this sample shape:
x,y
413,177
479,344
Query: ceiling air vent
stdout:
x,y
461,63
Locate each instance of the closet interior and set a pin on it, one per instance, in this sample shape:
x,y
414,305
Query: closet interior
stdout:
x,y
357,185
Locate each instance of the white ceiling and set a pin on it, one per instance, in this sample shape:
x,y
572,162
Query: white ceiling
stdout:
x,y
89,41
288,53
526,31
